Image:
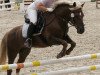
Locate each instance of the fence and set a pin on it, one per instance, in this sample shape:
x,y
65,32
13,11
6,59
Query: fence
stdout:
x,y
97,3
71,70
3,6
47,62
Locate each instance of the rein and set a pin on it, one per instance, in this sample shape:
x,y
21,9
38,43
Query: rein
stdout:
x,y
70,24
50,21
60,18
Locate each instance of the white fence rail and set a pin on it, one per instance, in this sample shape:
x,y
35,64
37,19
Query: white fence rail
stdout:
x,y
3,6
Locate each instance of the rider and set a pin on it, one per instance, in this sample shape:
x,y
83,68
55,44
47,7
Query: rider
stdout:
x,y
43,5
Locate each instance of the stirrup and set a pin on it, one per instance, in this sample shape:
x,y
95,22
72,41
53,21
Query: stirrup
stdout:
x,y
28,39
28,43
38,32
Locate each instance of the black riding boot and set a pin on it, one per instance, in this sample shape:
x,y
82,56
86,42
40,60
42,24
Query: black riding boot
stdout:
x,y
30,32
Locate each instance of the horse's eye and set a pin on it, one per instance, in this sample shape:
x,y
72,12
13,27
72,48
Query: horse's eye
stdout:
x,y
72,15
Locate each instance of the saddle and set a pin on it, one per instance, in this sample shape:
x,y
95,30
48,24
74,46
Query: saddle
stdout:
x,y
40,22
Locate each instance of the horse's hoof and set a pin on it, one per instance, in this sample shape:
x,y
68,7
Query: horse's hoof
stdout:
x,y
59,56
67,53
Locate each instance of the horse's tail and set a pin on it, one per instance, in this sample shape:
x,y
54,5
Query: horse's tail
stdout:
x,y
3,50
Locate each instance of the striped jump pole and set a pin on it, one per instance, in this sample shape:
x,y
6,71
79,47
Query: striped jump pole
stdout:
x,y
48,62
71,70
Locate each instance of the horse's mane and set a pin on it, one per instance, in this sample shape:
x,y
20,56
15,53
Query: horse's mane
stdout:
x,y
60,3
66,2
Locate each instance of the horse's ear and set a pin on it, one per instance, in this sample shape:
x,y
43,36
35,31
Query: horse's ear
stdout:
x,y
74,4
82,4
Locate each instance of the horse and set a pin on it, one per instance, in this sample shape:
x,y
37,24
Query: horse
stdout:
x,y
54,33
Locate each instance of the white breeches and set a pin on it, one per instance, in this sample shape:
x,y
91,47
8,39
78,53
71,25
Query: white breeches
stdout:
x,y
32,15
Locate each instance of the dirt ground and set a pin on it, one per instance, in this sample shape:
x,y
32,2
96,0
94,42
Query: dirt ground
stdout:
x,y
87,43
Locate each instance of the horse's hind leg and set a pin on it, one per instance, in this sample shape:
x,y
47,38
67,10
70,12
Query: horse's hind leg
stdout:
x,y
22,56
11,57
70,41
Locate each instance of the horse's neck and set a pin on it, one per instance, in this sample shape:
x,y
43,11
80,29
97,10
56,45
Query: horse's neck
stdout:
x,y
48,14
52,15
56,20
49,17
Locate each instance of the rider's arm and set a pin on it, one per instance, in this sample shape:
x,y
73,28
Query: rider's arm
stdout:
x,y
40,6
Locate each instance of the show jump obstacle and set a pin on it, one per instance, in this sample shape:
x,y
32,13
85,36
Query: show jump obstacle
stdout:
x,y
71,70
17,5
55,61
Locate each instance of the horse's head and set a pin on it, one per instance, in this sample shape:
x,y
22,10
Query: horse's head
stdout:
x,y
71,12
77,17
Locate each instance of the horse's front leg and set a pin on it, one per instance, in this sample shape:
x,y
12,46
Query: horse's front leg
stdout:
x,y
23,53
60,41
70,41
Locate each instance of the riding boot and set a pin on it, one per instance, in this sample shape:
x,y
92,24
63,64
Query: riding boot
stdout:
x,y
30,32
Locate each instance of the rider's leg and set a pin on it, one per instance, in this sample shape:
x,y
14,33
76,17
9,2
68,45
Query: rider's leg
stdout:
x,y
32,15
30,31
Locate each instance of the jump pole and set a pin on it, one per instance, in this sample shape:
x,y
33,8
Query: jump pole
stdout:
x,y
71,70
48,62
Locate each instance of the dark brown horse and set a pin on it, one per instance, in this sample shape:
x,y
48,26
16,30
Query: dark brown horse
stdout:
x,y
54,33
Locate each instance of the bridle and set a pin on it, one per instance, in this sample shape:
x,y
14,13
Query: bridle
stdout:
x,y
72,24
